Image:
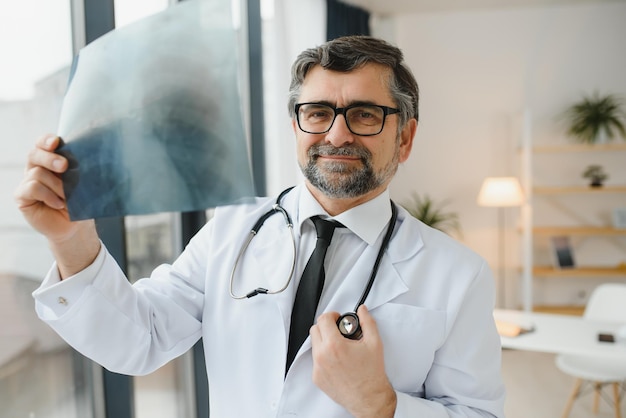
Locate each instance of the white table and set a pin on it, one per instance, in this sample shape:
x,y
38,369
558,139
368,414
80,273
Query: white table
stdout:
x,y
563,334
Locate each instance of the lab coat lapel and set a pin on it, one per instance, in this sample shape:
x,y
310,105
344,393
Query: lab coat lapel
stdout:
x,y
405,244
388,284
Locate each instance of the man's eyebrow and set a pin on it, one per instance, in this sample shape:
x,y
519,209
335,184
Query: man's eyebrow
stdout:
x,y
361,103
321,102
351,103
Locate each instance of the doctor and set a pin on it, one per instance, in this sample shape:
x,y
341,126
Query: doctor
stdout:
x,y
428,348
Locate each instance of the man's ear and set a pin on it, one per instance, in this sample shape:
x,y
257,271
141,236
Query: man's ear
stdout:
x,y
406,139
294,125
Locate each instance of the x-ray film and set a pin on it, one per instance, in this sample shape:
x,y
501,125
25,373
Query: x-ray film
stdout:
x,y
152,120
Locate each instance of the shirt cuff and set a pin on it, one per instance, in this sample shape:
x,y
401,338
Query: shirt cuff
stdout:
x,y
58,296
411,406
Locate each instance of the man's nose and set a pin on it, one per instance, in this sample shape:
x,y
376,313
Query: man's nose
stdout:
x,y
339,134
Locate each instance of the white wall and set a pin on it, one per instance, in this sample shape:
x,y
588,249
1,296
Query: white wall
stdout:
x,y
477,71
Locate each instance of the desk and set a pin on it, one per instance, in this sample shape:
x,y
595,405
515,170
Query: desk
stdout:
x,y
562,334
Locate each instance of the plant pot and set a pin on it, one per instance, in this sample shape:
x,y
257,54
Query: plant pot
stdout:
x,y
601,138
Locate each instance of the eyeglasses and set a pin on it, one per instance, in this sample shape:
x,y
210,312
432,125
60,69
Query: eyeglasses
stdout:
x,y
362,119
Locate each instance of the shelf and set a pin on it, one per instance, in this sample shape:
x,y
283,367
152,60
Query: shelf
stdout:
x,y
548,149
576,310
578,230
579,190
549,271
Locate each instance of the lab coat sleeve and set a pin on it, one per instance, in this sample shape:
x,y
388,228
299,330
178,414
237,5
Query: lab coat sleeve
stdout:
x,y
54,297
465,378
130,329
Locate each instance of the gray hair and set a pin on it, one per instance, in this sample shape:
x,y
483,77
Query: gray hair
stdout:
x,y
351,52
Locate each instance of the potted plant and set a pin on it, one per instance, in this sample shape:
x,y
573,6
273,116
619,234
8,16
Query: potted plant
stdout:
x,y
595,116
596,174
432,214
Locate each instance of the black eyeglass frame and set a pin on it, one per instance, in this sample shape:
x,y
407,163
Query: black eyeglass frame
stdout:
x,y
342,111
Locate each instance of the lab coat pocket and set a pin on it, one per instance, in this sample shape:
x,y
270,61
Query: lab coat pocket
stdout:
x,y
411,336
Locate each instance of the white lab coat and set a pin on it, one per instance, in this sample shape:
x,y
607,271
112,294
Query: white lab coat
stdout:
x,y
432,300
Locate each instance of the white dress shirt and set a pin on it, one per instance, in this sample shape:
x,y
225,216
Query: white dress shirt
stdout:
x,y
432,300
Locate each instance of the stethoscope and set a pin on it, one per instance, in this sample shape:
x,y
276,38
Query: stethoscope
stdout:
x,y
348,323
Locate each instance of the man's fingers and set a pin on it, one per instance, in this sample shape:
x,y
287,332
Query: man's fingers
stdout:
x,y
368,323
327,322
316,336
48,142
49,179
40,185
31,192
43,155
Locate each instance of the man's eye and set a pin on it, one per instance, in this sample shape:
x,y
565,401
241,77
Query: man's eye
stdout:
x,y
318,113
365,116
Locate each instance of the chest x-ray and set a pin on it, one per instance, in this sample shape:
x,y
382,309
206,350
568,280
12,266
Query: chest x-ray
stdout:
x,y
152,121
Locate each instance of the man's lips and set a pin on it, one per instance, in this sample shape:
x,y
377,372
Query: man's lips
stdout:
x,y
340,157
331,154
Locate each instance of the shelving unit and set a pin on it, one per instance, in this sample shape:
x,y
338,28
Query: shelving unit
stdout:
x,y
579,190
557,192
598,272
578,231
561,148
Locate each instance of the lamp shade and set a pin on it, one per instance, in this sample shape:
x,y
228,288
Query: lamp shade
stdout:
x,y
501,192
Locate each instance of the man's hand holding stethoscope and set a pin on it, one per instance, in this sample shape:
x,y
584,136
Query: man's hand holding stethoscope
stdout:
x,y
352,372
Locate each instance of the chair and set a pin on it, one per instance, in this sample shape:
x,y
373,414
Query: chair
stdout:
x,y
607,303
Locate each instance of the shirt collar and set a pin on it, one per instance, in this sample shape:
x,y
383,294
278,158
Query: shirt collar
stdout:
x,y
366,220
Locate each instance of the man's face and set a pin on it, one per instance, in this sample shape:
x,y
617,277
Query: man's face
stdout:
x,y
339,163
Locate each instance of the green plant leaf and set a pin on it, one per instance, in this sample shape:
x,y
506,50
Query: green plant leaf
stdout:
x,y
593,114
432,214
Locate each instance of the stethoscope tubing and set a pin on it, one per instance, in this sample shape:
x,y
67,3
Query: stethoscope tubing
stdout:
x,y
379,257
277,208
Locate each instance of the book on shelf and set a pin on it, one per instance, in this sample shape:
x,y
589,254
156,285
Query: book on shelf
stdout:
x,y
562,252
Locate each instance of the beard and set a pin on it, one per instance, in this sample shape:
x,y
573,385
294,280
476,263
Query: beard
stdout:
x,y
342,180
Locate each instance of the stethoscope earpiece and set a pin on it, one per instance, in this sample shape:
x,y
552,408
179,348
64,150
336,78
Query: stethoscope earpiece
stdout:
x,y
349,326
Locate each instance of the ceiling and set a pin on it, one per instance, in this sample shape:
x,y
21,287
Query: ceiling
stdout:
x,y
390,7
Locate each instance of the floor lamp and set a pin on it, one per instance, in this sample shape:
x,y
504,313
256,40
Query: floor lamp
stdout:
x,y
501,192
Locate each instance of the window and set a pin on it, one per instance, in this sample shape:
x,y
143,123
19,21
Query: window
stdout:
x,y
153,240
40,376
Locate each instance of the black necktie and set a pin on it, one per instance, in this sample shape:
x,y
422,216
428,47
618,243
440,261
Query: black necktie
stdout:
x,y
309,289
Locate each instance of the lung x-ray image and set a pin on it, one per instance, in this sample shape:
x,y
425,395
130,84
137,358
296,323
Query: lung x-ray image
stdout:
x,y
152,120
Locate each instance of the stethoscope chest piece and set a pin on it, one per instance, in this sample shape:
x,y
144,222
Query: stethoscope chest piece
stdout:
x,y
349,326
